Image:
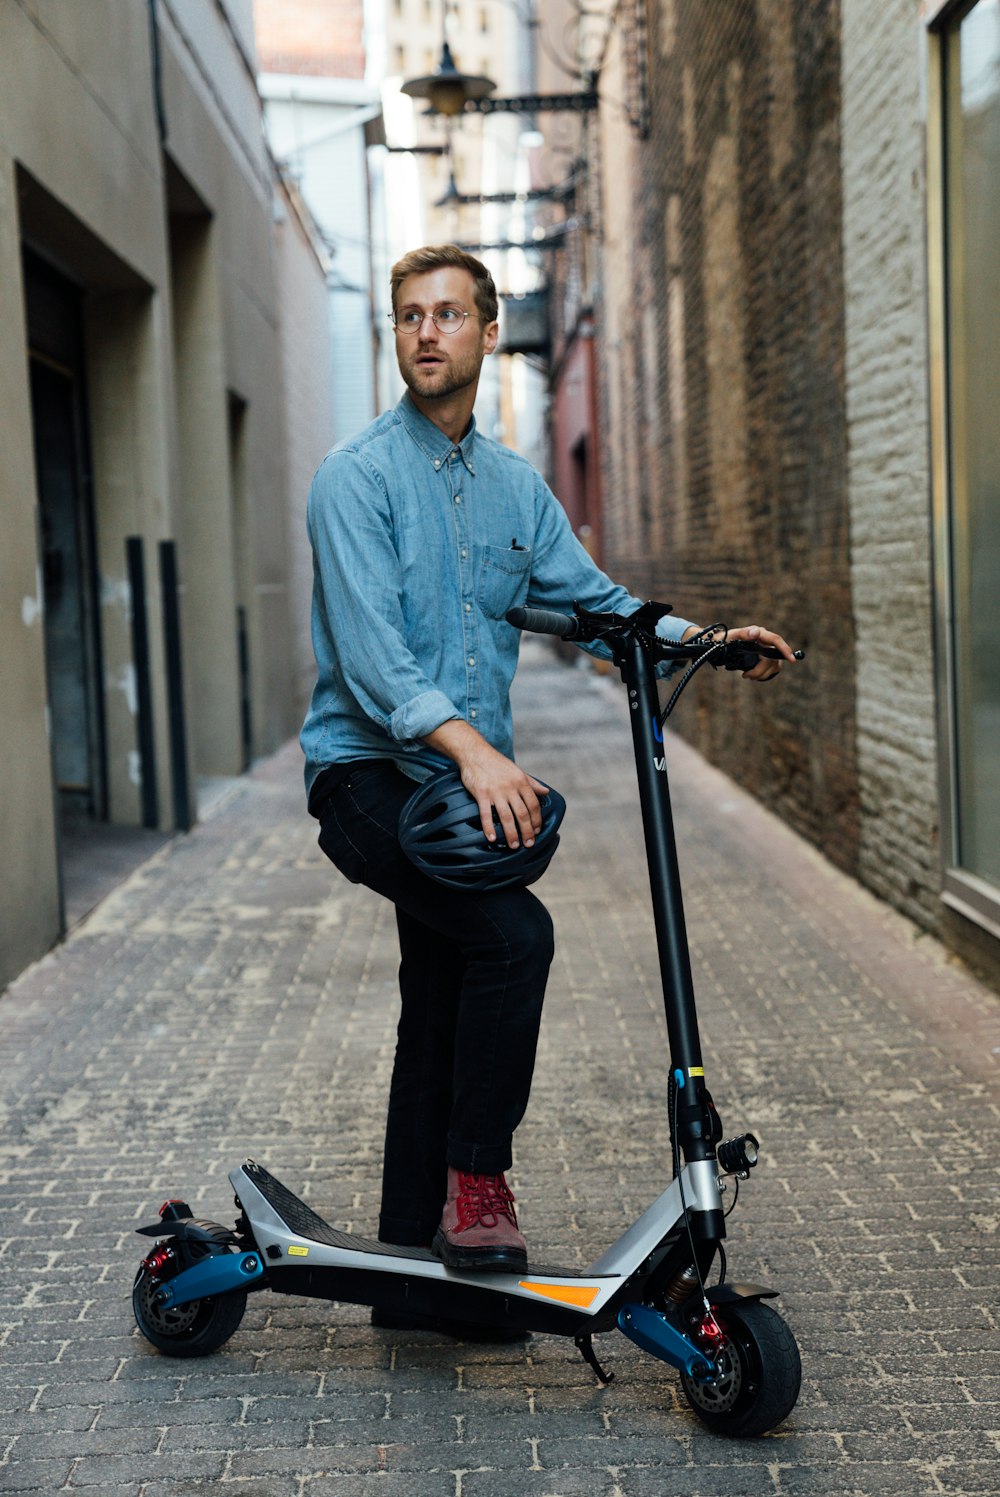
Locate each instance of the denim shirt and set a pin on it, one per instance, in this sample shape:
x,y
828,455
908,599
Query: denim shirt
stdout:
x,y
420,546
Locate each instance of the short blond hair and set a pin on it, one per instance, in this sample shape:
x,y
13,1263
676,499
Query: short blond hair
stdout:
x,y
434,257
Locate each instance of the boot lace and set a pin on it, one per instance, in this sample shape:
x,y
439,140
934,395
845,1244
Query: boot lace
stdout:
x,y
482,1201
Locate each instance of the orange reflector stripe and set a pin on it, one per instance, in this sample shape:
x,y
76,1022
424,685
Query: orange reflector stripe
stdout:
x,y
569,1294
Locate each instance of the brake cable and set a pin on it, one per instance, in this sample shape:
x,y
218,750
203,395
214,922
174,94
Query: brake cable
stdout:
x,y
696,665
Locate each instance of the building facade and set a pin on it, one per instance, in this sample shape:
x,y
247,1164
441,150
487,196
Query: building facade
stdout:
x,y
323,116
157,281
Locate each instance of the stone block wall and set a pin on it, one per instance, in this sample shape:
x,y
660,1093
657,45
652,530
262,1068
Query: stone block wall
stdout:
x,y
888,476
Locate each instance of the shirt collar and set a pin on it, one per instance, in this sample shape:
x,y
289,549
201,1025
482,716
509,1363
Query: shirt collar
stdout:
x,y
431,439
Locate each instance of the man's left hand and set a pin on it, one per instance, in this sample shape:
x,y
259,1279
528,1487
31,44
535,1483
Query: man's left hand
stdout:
x,y
754,634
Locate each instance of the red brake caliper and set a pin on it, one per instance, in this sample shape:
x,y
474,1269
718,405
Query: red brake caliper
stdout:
x,y
158,1260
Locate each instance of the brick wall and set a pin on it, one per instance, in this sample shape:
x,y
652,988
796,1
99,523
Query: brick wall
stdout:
x,y
722,329
319,37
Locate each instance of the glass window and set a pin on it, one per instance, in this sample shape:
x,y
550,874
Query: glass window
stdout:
x,y
971,98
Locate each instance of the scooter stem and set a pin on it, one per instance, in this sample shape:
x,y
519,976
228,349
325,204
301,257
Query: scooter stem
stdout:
x,y
639,675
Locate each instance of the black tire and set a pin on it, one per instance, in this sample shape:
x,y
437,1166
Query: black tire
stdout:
x,y
759,1373
192,1330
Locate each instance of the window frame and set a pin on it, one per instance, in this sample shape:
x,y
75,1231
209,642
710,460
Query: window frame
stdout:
x,y
961,890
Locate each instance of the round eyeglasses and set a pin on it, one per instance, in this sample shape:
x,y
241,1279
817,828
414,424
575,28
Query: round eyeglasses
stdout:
x,y
445,319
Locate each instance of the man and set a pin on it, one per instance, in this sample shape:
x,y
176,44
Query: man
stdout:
x,y
424,534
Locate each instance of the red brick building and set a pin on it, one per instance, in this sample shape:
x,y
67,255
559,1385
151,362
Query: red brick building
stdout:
x,y
796,363
721,334
299,36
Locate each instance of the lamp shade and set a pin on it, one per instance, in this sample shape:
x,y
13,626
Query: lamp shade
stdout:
x,y
446,89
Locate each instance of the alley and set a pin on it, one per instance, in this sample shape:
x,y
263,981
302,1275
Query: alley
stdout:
x,y
237,998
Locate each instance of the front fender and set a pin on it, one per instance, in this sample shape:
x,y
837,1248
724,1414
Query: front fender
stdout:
x,y
728,1294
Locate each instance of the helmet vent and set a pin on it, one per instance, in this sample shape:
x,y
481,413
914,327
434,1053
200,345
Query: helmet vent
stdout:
x,y
441,833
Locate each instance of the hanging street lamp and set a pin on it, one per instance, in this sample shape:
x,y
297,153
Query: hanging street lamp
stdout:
x,y
447,90
452,93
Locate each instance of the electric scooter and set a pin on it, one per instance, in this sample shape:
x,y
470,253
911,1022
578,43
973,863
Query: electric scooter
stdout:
x,y
738,1361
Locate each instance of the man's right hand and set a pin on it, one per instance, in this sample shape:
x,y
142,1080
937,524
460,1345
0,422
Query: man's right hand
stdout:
x,y
494,782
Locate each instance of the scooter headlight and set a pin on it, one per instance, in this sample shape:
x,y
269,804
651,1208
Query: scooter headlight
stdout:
x,y
738,1156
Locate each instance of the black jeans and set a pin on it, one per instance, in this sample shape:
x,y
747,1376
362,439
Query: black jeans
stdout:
x,y
472,979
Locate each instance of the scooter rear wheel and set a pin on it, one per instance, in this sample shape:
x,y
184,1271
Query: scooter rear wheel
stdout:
x,y
192,1330
759,1373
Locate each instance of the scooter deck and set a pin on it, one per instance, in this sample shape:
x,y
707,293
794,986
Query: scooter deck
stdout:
x,y
359,1270
301,1219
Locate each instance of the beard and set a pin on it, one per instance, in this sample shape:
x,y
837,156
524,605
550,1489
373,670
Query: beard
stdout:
x,y
438,381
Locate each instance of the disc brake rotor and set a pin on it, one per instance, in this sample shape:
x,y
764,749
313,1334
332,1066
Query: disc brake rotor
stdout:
x,y
166,1320
720,1394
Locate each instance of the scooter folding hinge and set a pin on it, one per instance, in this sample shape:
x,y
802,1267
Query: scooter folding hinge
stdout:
x,y
653,1333
216,1275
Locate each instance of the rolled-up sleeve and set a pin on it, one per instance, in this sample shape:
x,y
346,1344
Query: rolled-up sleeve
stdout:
x,y
420,716
359,585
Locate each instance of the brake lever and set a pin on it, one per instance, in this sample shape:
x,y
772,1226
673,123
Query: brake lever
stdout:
x,y
743,657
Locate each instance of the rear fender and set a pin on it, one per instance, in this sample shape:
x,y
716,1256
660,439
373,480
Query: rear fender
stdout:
x,y
187,1230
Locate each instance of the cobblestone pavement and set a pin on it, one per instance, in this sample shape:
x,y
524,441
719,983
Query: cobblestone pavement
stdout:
x,y
235,997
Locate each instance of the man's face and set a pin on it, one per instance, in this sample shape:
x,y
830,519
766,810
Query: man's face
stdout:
x,y
435,364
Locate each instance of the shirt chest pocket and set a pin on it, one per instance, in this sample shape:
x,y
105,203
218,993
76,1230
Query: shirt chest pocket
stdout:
x,y
503,579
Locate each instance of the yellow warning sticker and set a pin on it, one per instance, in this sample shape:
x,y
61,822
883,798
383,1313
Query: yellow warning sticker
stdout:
x,y
298,1252
696,1070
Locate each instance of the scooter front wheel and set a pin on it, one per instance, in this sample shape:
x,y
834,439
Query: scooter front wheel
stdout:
x,y
195,1329
758,1373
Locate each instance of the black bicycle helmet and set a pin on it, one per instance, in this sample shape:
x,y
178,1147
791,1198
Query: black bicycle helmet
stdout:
x,y
441,833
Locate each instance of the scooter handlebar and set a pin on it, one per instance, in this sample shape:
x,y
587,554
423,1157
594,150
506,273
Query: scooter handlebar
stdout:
x,y
544,621
732,655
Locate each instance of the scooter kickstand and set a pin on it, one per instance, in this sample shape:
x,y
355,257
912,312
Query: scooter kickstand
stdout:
x,y
585,1346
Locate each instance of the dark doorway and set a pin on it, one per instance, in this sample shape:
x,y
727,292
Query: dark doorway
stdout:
x,y
93,856
67,541
71,649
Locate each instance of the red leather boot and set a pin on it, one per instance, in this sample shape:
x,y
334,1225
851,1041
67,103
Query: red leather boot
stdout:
x,y
479,1228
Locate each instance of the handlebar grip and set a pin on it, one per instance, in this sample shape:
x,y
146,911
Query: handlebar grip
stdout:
x,y
741,656
544,621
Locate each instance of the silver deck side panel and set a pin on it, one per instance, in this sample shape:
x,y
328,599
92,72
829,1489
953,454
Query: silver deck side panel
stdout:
x,y
701,1193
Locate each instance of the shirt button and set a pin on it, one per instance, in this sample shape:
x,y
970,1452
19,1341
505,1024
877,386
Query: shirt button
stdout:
x,y
472,659
458,498
473,712
468,607
437,462
464,554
